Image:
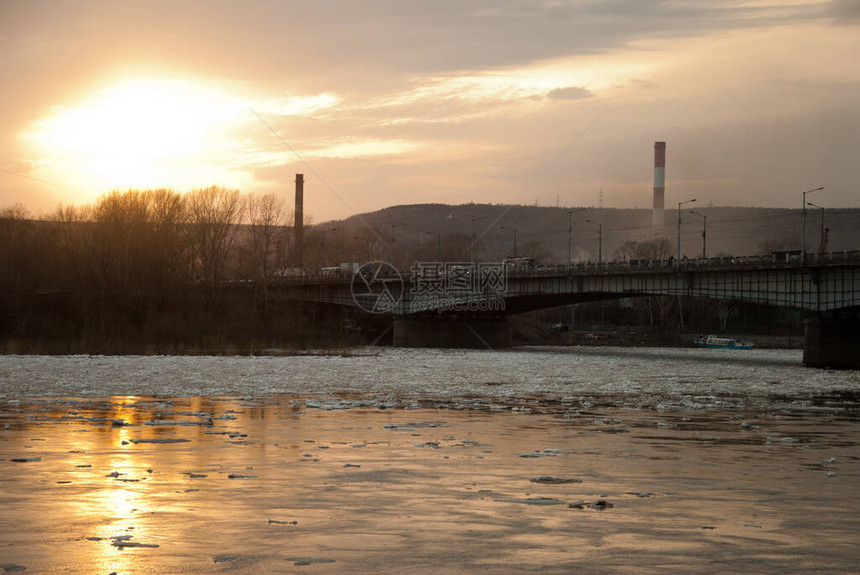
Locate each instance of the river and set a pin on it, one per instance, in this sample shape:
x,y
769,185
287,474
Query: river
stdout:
x,y
535,460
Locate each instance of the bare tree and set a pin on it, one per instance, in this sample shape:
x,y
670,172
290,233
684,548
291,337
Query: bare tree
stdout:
x,y
268,237
72,238
120,240
17,236
165,264
625,251
213,214
268,217
15,212
653,249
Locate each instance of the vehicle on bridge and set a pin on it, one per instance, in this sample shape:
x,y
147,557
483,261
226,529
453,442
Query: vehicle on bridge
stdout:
x,y
520,263
716,342
344,270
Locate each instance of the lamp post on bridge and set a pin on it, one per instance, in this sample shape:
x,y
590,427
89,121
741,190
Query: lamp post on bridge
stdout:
x,y
803,225
599,239
821,242
704,233
515,237
679,228
570,233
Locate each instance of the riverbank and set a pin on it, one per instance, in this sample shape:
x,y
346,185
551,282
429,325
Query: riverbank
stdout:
x,y
353,342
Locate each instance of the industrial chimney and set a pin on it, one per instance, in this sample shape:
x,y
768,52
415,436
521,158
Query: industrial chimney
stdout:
x,y
299,224
659,183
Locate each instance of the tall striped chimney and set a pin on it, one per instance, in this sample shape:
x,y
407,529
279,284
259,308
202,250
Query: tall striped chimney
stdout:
x,y
659,183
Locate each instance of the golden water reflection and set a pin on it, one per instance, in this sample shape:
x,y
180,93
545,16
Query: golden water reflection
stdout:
x,y
255,485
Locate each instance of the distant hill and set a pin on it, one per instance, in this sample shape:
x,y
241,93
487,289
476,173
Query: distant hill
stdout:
x,y
542,232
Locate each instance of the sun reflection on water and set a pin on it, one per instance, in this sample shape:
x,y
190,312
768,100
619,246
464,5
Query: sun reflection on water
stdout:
x,y
264,480
115,482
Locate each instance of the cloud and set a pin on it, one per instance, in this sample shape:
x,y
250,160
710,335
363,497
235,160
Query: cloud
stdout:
x,y
295,105
362,148
461,101
570,93
844,9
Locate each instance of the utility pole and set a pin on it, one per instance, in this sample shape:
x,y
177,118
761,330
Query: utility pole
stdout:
x,y
679,228
822,242
803,225
599,240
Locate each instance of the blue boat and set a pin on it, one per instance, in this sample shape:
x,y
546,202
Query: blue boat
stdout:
x,y
715,342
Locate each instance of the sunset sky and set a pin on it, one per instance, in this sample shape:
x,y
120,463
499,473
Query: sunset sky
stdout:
x,y
381,103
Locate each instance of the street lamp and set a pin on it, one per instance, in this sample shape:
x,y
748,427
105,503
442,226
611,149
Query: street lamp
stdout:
x,y
570,232
515,237
679,227
803,225
472,243
439,246
821,246
599,240
704,232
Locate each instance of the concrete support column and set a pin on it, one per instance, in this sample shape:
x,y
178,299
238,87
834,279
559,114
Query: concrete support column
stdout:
x,y
833,340
453,333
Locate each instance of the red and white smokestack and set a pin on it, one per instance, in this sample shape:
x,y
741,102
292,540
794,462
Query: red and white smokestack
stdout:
x,y
659,183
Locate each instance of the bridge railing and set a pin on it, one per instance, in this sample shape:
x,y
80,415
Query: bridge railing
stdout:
x,y
778,259
782,259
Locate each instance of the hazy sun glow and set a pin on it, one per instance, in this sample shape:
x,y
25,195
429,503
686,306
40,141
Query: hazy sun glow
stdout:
x,y
139,133
181,134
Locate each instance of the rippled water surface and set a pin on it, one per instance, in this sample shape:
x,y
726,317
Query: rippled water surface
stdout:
x,y
360,480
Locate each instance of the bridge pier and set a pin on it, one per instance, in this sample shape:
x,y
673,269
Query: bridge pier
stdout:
x,y
452,332
833,340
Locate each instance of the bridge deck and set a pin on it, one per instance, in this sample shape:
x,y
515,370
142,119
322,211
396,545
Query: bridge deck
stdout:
x,y
826,282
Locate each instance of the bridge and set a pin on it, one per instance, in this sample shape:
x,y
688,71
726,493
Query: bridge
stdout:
x,y
465,305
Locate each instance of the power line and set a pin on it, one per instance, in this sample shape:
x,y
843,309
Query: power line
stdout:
x,y
41,181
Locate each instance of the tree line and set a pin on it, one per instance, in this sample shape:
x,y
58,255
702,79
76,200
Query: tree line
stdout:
x,y
141,270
